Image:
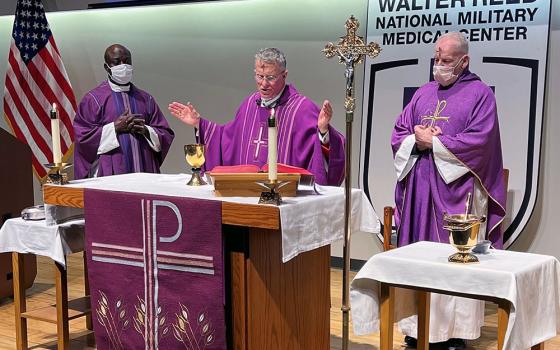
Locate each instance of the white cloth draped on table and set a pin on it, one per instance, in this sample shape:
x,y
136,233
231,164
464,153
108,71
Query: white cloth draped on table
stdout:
x,y
531,282
302,230
36,237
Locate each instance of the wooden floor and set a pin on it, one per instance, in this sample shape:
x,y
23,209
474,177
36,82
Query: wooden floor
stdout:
x,y
43,335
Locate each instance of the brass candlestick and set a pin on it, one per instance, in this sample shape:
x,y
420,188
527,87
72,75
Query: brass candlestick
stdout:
x,y
272,195
57,174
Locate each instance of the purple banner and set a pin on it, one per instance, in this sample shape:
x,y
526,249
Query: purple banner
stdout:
x,y
155,267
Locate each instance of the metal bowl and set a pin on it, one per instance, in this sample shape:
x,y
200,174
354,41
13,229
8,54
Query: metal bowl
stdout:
x,y
482,247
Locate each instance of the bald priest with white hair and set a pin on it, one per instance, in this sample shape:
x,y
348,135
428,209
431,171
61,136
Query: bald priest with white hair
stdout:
x,y
446,144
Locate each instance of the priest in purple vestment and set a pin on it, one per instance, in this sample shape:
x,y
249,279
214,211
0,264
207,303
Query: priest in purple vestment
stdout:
x,y
305,138
119,128
446,144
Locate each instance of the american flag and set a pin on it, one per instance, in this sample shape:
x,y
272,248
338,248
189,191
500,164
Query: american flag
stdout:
x,y
35,79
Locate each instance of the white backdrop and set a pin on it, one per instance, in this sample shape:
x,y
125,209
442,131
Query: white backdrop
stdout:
x,y
203,52
517,35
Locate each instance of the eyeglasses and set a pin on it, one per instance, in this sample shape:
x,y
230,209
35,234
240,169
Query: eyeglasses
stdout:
x,y
268,78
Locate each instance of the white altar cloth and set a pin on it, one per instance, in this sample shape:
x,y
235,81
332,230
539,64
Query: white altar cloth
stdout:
x,y
319,224
36,237
531,282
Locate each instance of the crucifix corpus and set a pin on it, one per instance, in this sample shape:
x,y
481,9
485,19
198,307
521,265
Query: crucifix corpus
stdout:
x,y
350,50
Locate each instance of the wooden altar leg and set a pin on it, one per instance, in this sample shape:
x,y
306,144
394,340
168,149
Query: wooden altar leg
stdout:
x,y
239,300
288,304
539,346
19,300
423,320
504,308
387,306
62,328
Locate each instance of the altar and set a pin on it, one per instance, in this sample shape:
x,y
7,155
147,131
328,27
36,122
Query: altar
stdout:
x,y
276,259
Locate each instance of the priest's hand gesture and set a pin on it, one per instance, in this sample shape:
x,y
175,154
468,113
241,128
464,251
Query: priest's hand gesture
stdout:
x,y
325,116
424,134
124,122
186,113
139,125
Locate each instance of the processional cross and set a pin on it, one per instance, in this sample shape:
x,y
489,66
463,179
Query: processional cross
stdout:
x,y
351,50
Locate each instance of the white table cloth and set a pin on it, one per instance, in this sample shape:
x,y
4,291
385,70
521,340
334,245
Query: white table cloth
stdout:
x,y
531,282
302,230
36,237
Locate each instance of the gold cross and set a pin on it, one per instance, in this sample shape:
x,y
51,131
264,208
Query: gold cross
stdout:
x,y
432,119
351,50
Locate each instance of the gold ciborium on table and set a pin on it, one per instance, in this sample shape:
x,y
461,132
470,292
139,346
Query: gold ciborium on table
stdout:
x,y
194,154
463,234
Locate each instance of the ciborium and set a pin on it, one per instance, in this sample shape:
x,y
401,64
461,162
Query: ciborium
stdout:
x,y
463,235
194,154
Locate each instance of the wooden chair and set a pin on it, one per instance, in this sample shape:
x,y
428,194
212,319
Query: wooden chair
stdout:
x,y
388,218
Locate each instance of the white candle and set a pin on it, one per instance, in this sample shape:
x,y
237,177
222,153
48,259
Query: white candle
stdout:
x,y
55,134
272,147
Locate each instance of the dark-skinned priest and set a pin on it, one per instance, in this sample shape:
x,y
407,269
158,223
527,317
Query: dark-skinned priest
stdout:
x,y
119,128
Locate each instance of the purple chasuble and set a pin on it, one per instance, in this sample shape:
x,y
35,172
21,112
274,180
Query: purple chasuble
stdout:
x,y
102,106
155,270
472,135
244,140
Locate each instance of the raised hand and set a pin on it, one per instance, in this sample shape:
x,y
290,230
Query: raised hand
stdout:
x,y
185,113
325,116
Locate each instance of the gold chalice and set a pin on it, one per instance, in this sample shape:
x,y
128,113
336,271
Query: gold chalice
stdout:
x,y
194,154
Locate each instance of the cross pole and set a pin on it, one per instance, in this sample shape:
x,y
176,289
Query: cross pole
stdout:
x,y
350,50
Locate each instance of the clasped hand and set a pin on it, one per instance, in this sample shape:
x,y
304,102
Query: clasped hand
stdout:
x,y
130,123
424,134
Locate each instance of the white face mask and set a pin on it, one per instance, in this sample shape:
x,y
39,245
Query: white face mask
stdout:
x,y
122,74
444,75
